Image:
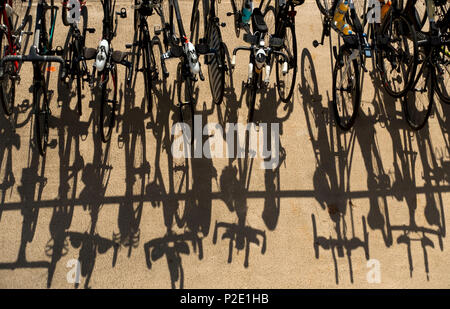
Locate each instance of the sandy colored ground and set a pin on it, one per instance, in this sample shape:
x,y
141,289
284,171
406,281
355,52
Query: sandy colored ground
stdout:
x,y
87,196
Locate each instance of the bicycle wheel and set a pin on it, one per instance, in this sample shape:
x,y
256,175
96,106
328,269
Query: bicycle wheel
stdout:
x,y
8,83
42,113
216,64
149,69
70,56
79,94
398,57
346,90
136,15
442,76
251,96
108,102
198,22
325,6
286,82
237,6
185,95
269,18
418,102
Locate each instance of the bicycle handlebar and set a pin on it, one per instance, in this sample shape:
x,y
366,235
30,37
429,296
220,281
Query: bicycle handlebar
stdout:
x,y
32,57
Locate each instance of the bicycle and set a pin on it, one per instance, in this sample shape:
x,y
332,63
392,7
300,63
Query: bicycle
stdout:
x,y
260,57
106,60
393,41
74,51
189,67
283,15
205,28
11,35
433,65
143,47
41,53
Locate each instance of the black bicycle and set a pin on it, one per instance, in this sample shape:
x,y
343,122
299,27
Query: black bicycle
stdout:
x,y
281,22
106,60
189,68
15,22
74,49
433,63
261,57
205,28
41,54
392,41
143,56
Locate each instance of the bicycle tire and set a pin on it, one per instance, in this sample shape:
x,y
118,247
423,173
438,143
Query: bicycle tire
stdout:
x,y
442,80
325,7
285,96
444,95
216,64
135,15
7,84
252,97
41,118
108,103
186,95
149,67
356,91
413,97
79,94
197,25
389,54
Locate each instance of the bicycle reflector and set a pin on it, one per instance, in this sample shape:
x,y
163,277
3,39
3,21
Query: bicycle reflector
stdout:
x,y
51,69
292,14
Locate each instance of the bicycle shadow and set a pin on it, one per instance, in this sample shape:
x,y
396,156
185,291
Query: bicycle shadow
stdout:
x,y
95,177
71,131
132,139
333,152
407,157
172,188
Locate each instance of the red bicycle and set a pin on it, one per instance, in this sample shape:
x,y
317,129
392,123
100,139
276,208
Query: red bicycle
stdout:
x,y
15,18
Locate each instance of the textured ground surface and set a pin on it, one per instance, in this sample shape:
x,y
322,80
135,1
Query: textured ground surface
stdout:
x,y
87,196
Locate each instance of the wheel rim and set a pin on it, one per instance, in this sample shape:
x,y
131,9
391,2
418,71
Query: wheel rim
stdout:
x,y
7,90
107,115
345,92
41,122
215,73
417,103
398,64
285,83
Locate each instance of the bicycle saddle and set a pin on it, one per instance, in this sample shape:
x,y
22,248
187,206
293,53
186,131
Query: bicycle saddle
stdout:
x,y
90,53
258,22
118,56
